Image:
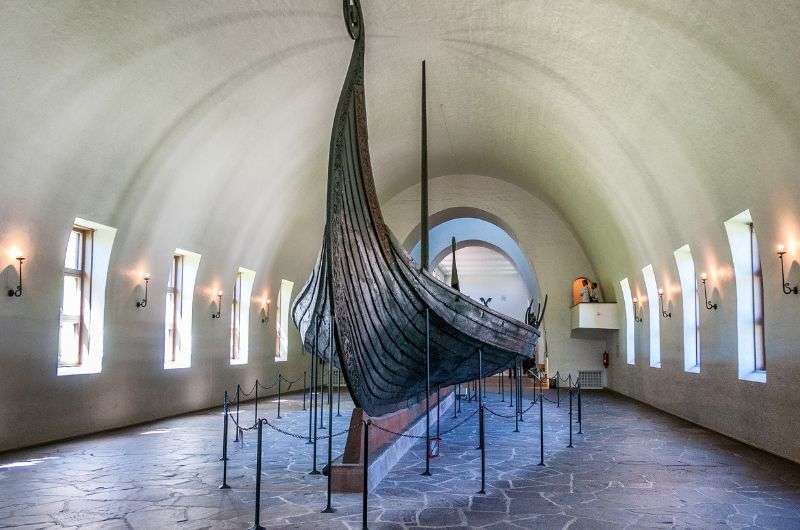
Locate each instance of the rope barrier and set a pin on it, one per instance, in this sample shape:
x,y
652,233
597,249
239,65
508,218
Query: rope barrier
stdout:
x,y
490,411
419,437
247,394
301,436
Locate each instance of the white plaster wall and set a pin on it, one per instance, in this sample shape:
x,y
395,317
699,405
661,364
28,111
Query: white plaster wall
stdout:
x,y
764,415
36,405
542,235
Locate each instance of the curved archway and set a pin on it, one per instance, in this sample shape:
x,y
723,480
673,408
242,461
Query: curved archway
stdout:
x,y
474,228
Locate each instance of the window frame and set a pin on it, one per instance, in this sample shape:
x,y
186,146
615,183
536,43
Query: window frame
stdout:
x,y
749,283
84,274
236,320
175,288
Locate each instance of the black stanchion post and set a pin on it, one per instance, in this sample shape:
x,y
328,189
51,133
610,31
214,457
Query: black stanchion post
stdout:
x,y
257,523
224,485
365,491
255,411
279,395
482,432
438,399
225,429
456,399
503,386
238,391
558,390
427,471
541,424
458,389
512,385
314,470
570,410
521,399
580,419
311,385
322,396
480,401
304,390
338,393
516,411
329,508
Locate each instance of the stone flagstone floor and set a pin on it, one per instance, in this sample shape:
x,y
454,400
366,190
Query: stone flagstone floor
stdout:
x,y
633,467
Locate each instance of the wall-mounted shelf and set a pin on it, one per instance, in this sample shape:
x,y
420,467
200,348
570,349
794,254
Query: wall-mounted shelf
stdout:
x,y
595,316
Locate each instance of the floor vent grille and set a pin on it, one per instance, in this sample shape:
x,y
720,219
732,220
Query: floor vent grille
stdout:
x,y
591,378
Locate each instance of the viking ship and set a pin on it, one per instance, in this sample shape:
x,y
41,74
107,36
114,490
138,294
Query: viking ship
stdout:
x,y
393,328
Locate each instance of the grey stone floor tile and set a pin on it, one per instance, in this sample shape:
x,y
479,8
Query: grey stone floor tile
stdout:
x,y
633,467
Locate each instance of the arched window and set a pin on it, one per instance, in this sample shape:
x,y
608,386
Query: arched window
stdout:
x,y
691,309
654,322
749,297
630,339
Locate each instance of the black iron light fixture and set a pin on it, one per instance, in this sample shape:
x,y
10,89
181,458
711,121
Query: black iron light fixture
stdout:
x,y
787,289
17,292
664,313
218,314
141,303
637,315
710,306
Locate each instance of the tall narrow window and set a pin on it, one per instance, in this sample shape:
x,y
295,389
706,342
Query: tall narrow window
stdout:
x,y
630,339
80,337
749,297
178,312
75,306
691,309
240,315
282,324
654,321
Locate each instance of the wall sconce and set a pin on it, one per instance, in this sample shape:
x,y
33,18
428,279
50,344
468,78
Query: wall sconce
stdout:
x,y
218,314
637,315
143,302
664,314
784,284
18,291
265,312
709,305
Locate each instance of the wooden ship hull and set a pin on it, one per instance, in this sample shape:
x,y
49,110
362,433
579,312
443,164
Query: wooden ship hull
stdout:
x,y
367,307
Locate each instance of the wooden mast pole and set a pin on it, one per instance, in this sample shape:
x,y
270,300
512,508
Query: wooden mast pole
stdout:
x,y
423,225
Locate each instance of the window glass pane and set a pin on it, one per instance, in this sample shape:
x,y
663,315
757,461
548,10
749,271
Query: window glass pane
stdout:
x,y
73,257
69,338
71,305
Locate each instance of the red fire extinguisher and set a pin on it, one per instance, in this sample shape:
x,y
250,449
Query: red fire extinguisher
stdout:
x,y
605,359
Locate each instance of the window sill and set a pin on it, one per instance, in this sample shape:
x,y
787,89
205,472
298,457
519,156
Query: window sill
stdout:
x,y
693,369
176,366
235,362
658,365
756,377
77,370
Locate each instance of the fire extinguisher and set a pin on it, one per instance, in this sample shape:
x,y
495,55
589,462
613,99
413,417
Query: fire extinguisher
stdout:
x,y
605,359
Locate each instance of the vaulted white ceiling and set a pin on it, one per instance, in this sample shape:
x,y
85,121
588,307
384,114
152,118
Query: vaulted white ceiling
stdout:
x,y
205,125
